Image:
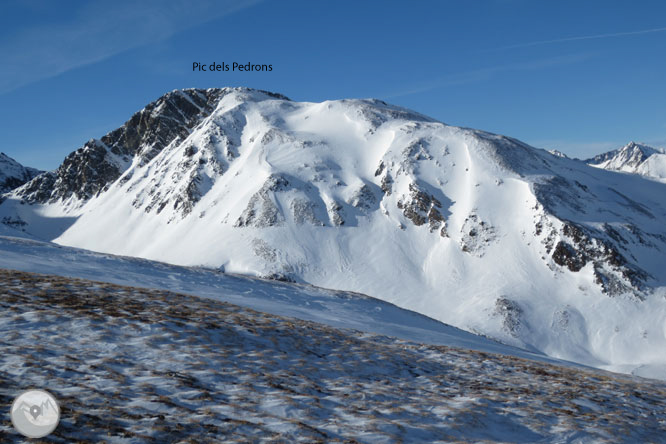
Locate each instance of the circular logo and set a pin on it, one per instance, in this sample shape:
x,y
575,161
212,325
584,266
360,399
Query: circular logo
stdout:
x,y
35,413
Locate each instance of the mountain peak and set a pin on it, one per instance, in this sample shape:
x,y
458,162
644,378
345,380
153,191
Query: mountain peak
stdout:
x,y
640,147
90,169
634,157
246,93
13,174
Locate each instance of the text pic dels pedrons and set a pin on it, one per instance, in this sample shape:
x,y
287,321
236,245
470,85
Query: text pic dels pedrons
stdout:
x,y
235,66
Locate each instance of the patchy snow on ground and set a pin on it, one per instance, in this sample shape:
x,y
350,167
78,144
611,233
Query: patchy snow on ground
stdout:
x,y
133,365
330,307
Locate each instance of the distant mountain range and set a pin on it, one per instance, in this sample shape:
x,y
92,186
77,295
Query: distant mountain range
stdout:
x,y
474,229
633,158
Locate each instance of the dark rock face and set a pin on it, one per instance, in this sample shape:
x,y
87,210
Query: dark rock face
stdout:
x,y
84,173
10,183
13,174
566,256
611,269
421,207
94,167
39,189
14,222
281,277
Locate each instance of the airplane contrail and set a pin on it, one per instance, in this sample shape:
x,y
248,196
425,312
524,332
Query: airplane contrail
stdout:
x,y
584,37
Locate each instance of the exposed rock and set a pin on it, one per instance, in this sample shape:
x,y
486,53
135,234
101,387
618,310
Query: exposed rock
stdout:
x,y
418,150
386,184
567,256
611,269
380,169
304,211
13,174
511,314
261,210
92,168
334,210
281,277
363,198
263,250
39,189
14,222
421,207
627,158
476,235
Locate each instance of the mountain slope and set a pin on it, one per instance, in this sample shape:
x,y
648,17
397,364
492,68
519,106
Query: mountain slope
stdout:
x,y
474,229
633,158
174,367
13,174
342,310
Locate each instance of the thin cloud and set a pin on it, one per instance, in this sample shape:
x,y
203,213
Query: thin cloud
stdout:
x,y
484,74
99,30
584,37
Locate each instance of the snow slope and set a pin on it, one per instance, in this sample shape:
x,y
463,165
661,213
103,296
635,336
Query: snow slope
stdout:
x,y
13,174
473,229
633,158
135,365
329,307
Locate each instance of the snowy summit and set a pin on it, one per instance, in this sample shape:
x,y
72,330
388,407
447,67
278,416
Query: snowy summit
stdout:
x,y
633,158
474,229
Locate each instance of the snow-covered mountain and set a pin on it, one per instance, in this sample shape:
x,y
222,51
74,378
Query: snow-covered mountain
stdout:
x,y
474,229
13,174
633,158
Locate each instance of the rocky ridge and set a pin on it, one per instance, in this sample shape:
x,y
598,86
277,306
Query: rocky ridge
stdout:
x,y
13,174
633,158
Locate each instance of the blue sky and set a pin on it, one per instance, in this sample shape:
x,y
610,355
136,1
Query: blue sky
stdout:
x,y
579,76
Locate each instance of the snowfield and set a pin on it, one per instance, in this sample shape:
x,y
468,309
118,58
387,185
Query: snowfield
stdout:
x,y
134,365
476,230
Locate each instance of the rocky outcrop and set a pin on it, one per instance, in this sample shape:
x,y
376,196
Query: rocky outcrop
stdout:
x,y
612,271
476,235
261,210
13,174
423,208
510,315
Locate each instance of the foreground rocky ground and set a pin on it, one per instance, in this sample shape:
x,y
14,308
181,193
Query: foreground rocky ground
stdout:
x,y
132,365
